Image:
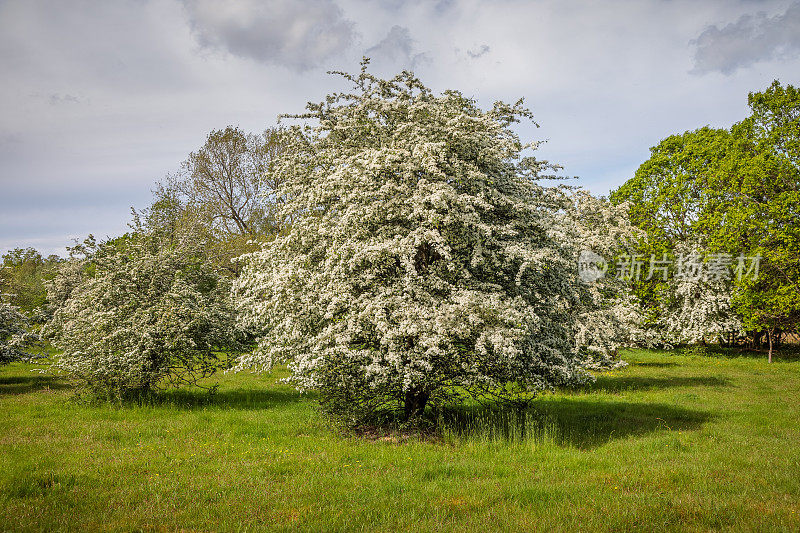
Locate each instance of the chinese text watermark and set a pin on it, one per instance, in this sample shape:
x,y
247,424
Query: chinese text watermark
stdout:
x,y
688,267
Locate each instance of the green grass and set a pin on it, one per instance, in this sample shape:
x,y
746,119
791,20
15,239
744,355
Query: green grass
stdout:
x,y
670,443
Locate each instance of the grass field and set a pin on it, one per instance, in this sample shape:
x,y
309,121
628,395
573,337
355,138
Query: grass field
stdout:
x,y
669,443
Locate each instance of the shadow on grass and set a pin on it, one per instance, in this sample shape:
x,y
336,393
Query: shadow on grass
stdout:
x,y
242,399
652,364
580,423
642,383
13,385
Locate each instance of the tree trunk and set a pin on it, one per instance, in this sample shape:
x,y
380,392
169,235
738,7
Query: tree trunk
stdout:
x,y
415,402
769,337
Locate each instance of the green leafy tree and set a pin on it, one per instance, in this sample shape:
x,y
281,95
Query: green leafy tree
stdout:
x,y
755,209
669,198
731,192
23,276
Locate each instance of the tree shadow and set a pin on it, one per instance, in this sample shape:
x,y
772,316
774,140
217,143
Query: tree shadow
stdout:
x,y
616,384
15,385
653,364
239,399
570,422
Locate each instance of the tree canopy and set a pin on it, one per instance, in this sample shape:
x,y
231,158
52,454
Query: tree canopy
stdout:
x,y
423,256
224,195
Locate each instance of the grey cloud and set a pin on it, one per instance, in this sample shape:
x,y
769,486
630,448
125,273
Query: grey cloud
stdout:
x,y
478,52
9,138
148,97
56,99
750,39
298,35
398,48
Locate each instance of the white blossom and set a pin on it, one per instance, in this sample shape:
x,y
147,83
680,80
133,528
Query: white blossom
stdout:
x,y
423,254
16,342
607,316
696,306
136,315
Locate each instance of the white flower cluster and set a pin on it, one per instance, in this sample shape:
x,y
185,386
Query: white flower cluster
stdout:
x,y
423,254
697,308
607,316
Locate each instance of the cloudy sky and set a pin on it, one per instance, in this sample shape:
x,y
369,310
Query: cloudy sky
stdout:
x,y
100,99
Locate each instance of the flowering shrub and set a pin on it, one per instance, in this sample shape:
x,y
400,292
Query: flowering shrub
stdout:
x,y
135,316
15,340
607,316
423,257
697,309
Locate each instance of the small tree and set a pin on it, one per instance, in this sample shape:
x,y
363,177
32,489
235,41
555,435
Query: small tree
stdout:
x,y
16,341
224,195
423,257
695,307
135,315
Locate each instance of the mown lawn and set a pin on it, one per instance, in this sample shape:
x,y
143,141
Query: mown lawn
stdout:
x,y
669,443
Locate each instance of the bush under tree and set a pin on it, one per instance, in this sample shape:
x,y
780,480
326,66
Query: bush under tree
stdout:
x,y
16,341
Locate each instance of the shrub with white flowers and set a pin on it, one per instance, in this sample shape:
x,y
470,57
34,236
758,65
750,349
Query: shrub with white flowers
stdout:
x,y
423,258
137,316
697,308
16,342
608,316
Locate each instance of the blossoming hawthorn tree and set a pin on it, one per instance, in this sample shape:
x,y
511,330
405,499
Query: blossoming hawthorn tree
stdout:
x,y
423,256
134,315
695,308
607,316
16,342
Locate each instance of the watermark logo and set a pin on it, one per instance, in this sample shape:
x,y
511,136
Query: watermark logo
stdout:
x,y
591,266
687,267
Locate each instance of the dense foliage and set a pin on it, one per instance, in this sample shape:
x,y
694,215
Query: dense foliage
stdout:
x,y
134,315
423,255
756,209
24,274
723,194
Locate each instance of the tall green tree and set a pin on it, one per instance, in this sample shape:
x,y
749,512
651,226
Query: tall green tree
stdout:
x,y
669,198
755,208
733,192
225,194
